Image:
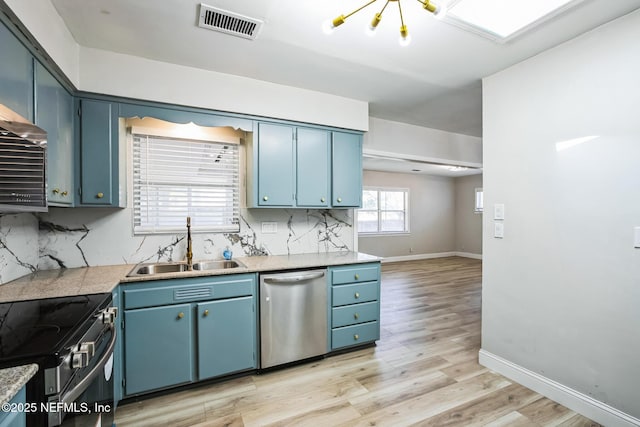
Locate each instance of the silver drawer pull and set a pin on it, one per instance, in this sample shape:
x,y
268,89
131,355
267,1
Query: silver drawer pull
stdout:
x,y
356,316
356,337
357,295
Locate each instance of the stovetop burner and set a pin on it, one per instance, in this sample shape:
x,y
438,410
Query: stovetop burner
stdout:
x,y
36,329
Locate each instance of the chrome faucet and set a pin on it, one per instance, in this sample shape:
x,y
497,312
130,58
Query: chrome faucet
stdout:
x,y
189,246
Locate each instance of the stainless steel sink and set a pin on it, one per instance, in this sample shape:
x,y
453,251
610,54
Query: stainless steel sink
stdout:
x,y
215,265
179,267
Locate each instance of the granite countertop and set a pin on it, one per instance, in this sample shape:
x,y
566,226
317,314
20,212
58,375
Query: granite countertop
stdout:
x,y
13,379
64,282
102,279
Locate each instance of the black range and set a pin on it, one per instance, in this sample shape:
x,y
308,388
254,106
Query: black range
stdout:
x,y
72,340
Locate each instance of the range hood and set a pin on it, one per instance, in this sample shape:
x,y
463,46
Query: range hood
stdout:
x,y
23,164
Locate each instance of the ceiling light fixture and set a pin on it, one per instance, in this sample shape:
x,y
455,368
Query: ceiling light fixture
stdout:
x,y
405,37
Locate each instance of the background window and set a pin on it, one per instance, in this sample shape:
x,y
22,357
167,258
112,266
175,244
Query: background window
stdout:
x,y
384,211
479,200
175,178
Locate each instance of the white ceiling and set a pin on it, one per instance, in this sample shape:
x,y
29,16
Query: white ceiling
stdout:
x,y
434,82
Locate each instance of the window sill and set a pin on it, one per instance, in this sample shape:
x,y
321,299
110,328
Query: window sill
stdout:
x,y
386,234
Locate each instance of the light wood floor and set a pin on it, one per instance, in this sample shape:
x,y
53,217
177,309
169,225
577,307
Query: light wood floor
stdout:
x,y
424,371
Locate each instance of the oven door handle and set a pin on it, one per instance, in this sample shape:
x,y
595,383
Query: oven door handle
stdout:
x,y
75,392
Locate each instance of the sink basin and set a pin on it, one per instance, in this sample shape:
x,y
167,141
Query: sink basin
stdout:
x,y
179,267
215,265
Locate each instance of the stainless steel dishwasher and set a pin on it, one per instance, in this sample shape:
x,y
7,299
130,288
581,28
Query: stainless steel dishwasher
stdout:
x,y
293,316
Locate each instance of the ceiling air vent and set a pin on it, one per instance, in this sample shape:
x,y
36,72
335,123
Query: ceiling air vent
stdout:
x,y
227,22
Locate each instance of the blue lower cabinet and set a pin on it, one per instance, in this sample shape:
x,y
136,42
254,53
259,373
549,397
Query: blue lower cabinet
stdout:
x,y
183,330
355,305
15,418
355,313
158,347
355,335
226,337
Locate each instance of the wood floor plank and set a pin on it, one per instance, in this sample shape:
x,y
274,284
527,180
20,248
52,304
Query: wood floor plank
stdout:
x,y
423,371
480,411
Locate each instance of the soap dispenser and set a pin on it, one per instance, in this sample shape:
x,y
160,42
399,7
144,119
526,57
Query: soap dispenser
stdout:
x,y
227,253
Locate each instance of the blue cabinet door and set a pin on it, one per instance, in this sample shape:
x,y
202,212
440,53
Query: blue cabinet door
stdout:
x,y
54,114
226,336
16,75
15,418
158,347
275,165
98,153
346,182
313,150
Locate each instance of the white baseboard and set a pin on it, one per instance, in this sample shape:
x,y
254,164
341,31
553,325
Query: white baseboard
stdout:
x,y
469,255
417,257
430,256
572,399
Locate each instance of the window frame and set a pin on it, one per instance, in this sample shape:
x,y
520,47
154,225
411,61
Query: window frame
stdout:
x,y
172,229
478,209
379,212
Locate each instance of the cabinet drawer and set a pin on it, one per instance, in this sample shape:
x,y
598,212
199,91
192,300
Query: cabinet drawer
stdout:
x,y
354,335
355,274
154,293
353,294
353,314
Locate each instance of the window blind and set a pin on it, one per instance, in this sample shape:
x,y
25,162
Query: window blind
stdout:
x,y
175,178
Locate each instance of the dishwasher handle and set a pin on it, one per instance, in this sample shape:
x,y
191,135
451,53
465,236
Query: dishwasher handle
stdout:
x,y
296,278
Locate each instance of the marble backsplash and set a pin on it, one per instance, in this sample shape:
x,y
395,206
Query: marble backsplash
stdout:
x,y
18,245
80,237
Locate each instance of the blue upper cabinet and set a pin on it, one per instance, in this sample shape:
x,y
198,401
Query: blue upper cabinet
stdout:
x,y
275,165
303,167
346,179
54,114
16,75
313,150
99,153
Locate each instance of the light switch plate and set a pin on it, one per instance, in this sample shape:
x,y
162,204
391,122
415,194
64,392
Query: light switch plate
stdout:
x,y
498,230
498,211
636,237
269,227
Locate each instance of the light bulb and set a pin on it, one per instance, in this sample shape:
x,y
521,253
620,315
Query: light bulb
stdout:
x,y
405,41
405,37
371,30
441,12
327,27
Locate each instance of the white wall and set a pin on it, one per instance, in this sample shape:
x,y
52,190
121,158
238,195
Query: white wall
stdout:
x,y
421,143
143,78
468,222
432,215
561,291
